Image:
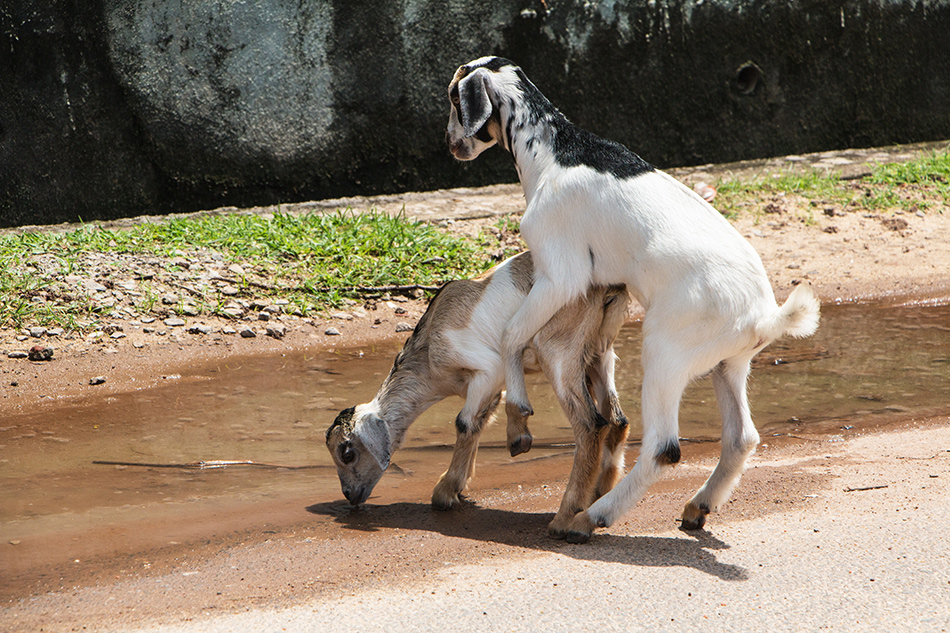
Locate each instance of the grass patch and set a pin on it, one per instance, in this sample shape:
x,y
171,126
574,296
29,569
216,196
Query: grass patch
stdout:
x,y
918,184
311,261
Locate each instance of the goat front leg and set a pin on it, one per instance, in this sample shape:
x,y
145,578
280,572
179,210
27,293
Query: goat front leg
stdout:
x,y
481,400
542,303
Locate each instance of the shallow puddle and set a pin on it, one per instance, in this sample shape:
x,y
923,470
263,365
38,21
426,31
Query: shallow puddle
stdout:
x,y
867,365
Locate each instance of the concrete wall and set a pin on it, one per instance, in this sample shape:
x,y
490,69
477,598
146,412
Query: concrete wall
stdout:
x,y
122,107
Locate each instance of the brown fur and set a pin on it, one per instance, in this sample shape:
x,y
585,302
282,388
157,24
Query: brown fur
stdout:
x,y
575,350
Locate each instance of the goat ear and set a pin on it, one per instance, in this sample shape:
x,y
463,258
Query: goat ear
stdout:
x,y
474,103
373,432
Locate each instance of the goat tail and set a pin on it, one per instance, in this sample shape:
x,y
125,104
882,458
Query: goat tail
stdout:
x,y
797,317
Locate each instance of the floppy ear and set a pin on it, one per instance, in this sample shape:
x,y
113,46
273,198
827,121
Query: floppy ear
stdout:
x,y
474,102
374,434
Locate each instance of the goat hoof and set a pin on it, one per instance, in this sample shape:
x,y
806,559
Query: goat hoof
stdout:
x,y
521,445
443,504
580,529
560,526
444,498
577,537
694,518
557,533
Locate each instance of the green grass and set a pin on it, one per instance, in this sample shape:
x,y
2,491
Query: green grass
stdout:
x,y
913,185
314,261
933,169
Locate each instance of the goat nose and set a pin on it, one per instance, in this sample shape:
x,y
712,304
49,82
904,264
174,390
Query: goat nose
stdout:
x,y
354,496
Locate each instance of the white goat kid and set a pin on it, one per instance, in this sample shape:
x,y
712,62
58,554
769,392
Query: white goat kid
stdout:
x,y
598,214
456,350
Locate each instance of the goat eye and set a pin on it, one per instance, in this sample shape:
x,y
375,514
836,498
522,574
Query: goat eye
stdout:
x,y
347,454
456,100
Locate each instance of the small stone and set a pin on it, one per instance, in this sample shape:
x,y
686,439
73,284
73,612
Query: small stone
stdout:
x,y
247,332
229,291
707,192
263,316
117,335
400,310
170,299
343,316
97,380
199,328
138,344
37,332
56,331
189,310
40,353
227,329
173,322
404,327
235,269
148,319
276,330
332,331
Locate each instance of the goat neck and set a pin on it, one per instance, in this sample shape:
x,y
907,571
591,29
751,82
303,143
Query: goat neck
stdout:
x,y
530,124
404,396
543,142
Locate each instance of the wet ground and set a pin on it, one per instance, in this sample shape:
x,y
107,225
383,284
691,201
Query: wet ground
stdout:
x,y
66,519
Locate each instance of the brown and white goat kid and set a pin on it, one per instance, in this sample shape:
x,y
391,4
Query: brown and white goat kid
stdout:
x,y
598,214
456,350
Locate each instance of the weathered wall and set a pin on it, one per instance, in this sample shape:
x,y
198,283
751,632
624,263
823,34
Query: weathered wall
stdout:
x,y
122,107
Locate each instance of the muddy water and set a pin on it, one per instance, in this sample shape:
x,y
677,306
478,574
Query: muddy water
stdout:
x,y
867,365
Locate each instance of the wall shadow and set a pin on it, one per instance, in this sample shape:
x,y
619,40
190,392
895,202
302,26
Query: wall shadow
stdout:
x,y
696,550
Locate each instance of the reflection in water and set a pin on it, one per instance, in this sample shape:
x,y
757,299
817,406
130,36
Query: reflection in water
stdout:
x,y
864,365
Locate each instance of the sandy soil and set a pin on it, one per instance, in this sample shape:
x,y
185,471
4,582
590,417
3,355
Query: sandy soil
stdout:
x,y
332,554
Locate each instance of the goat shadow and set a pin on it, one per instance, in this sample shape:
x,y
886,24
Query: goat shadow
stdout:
x,y
529,530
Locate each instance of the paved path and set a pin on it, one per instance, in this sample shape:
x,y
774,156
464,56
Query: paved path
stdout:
x,y
850,560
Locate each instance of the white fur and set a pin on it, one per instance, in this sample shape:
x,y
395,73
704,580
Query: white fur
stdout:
x,y
457,351
708,301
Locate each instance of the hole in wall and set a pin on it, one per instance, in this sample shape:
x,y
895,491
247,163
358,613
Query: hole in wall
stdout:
x,y
748,77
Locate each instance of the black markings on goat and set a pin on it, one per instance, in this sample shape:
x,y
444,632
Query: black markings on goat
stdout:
x,y
669,455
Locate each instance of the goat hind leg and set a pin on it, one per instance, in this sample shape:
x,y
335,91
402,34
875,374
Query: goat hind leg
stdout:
x,y
612,459
615,438
739,439
519,438
580,487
